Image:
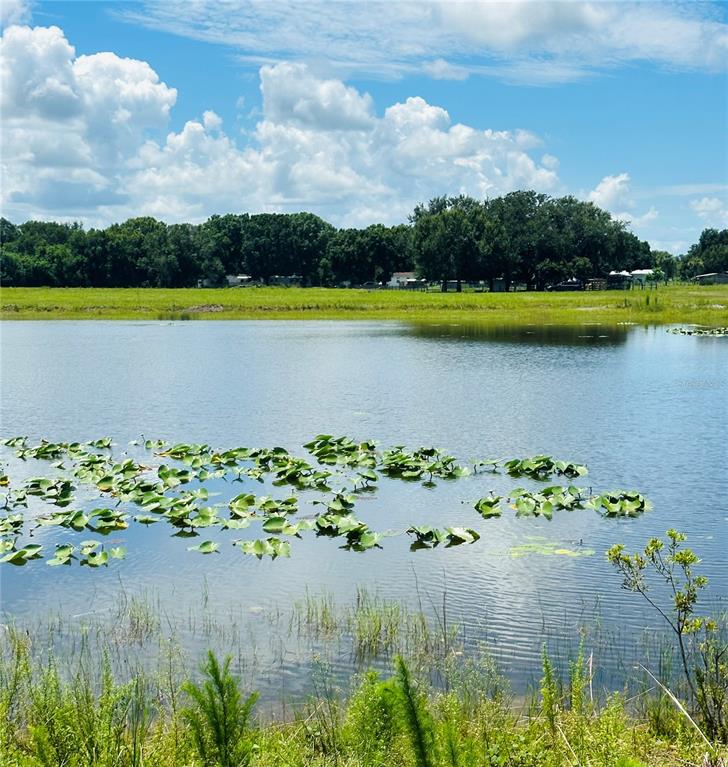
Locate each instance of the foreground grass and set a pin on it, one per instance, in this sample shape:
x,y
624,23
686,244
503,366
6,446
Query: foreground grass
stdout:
x,y
89,718
667,304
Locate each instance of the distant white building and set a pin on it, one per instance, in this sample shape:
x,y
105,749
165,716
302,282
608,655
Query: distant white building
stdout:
x,y
399,279
237,280
642,275
405,280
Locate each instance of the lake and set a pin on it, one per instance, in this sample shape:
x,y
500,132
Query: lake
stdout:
x,y
644,409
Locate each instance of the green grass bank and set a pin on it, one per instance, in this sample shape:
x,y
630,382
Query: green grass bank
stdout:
x,y
90,717
666,304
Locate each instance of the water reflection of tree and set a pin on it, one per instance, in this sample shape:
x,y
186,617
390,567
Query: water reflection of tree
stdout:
x,y
549,335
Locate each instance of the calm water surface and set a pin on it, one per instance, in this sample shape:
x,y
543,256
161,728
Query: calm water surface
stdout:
x,y
642,408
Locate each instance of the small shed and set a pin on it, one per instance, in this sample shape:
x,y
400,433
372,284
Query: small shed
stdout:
x,y
238,280
619,280
286,281
642,276
712,278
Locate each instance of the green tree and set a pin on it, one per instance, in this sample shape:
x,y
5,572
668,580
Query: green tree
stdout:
x,y
448,240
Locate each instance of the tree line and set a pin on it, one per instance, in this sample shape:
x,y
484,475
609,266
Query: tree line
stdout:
x,y
523,237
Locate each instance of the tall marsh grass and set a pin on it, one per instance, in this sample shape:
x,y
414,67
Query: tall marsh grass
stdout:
x,y
91,718
673,303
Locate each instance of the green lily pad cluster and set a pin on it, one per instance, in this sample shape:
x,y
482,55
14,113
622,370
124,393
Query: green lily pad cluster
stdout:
x,y
168,486
90,554
427,537
621,503
19,556
270,547
544,502
543,467
101,521
59,492
424,463
342,451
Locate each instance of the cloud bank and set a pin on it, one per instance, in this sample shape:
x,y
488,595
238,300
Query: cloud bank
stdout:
x,y
83,138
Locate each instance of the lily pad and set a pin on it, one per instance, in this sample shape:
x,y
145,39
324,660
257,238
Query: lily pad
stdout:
x,y
206,547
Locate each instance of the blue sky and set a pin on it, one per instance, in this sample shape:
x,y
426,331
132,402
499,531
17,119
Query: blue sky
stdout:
x,y
357,111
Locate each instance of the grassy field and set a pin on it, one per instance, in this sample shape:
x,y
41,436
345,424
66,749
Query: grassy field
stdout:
x,y
666,304
88,710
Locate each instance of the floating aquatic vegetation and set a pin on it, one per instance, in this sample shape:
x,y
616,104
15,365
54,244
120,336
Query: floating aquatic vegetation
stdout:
x,y
270,547
154,444
15,498
189,454
620,503
489,506
104,443
11,523
93,554
343,451
206,547
15,441
424,463
542,467
543,547
340,504
62,555
544,502
149,490
428,537
172,477
105,521
145,519
282,526
568,498
362,539
335,524
21,556
72,519
247,503
46,450
206,516
364,479
59,492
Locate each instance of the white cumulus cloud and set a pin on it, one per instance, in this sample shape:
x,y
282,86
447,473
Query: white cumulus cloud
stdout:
x,y
71,123
712,210
319,146
82,139
612,192
294,94
14,12
211,120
